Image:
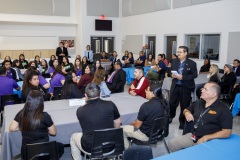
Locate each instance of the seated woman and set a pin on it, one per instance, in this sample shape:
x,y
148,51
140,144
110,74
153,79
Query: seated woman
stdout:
x,y
78,68
50,62
129,61
206,66
31,82
16,67
58,79
85,79
37,61
42,80
67,66
34,124
23,62
45,68
84,64
150,61
97,65
52,69
8,58
212,77
165,60
99,78
214,74
125,57
228,79
70,89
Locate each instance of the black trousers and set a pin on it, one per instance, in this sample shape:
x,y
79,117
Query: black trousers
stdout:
x,y
182,95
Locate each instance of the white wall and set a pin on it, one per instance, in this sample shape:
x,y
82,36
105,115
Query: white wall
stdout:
x,y
88,29
216,17
18,31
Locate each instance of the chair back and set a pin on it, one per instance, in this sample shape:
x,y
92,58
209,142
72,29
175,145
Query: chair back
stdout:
x,y
158,130
57,93
8,100
107,143
44,150
138,152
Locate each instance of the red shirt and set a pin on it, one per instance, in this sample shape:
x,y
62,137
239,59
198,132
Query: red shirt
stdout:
x,y
140,86
85,80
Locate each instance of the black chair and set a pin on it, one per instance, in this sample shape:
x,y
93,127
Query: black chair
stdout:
x,y
44,150
138,153
157,133
57,93
40,151
8,100
107,143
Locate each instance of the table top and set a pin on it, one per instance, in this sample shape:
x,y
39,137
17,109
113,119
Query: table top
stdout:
x,y
124,102
65,119
217,149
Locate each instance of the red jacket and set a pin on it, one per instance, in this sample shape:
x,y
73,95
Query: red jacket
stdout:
x,y
141,85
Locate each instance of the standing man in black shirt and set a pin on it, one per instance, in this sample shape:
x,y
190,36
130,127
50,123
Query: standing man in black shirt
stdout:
x,y
149,111
210,117
96,114
61,52
184,71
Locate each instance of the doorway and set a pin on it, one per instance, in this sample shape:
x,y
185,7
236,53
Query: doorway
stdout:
x,y
99,44
171,46
152,44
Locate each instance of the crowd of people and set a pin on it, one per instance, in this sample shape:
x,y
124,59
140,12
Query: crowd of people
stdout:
x,y
87,78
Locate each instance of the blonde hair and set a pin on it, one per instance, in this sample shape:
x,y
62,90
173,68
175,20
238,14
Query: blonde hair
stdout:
x,y
215,70
99,76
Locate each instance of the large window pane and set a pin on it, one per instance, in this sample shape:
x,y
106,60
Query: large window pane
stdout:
x,y
193,43
210,46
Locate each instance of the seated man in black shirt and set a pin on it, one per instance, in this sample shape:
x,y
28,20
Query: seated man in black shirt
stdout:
x,y
104,57
149,111
141,59
210,117
96,114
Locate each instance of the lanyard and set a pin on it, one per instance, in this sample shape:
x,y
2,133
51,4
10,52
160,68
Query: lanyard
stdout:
x,y
200,117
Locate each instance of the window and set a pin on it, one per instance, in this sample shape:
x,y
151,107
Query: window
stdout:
x,y
203,46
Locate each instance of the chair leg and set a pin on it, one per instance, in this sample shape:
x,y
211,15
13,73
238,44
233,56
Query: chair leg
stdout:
x,y
165,143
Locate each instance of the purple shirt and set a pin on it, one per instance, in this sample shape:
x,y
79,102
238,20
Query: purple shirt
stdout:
x,y
7,85
56,81
9,74
51,70
42,80
78,72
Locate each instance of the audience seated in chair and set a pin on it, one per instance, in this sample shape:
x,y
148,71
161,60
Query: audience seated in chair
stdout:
x,y
7,84
70,89
141,59
117,79
140,84
104,114
11,73
31,82
104,57
236,67
215,122
228,79
58,78
206,66
23,62
149,111
34,124
86,78
99,79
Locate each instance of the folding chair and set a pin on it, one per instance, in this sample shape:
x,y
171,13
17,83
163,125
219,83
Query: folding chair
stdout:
x,y
138,153
107,143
